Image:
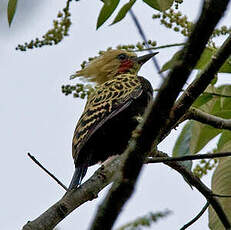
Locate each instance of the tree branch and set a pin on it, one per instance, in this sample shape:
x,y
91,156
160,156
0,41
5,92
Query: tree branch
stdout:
x,y
201,187
155,159
216,122
90,189
155,119
160,47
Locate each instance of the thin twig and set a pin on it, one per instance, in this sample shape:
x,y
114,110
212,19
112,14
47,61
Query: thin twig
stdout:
x,y
188,157
50,174
160,47
217,94
221,195
196,217
208,93
141,32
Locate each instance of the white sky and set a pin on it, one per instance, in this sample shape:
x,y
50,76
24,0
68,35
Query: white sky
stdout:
x,y
37,118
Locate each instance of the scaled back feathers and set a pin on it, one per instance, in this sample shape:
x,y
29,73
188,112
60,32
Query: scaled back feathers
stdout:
x,y
104,67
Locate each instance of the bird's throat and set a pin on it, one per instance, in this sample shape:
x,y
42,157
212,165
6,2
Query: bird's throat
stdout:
x,y
125,66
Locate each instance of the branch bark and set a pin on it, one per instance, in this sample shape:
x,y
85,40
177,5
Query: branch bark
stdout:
x,y
205,118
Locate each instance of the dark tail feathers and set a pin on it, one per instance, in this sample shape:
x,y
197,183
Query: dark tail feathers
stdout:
x,y
79,173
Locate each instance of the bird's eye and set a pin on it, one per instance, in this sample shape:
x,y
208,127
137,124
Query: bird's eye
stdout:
x,y
122,56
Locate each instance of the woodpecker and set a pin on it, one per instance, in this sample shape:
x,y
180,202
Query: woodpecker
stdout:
x,y
111,111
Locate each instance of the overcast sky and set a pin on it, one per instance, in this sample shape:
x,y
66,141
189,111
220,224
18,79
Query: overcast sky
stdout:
x,y
37,118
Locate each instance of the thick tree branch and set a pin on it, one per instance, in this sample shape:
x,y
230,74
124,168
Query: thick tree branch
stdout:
x,y
205,118
156,116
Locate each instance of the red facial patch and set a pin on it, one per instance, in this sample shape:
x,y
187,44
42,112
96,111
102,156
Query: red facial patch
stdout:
x,y
125,65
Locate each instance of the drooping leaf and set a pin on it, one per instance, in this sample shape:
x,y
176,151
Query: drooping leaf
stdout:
x,y
11,10
221,184
203,61
123,11
182,145
106,11
160,5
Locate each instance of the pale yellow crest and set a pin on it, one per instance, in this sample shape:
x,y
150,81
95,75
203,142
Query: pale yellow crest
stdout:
x,y
104,67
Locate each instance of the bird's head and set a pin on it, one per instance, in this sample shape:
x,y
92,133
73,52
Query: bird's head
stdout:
x,y
112,63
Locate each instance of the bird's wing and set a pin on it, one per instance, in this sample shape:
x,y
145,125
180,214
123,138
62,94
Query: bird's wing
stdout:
x,y
109,99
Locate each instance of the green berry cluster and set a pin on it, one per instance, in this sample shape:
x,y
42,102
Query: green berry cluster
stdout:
x,y
53,36
177,3
175,20
224,30
78,90
204,166
145,221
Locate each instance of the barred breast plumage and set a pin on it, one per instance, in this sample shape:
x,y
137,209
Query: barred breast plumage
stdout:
x,y
108,120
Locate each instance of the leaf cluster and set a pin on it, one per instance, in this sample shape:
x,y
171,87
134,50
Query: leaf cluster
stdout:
x,y
144,221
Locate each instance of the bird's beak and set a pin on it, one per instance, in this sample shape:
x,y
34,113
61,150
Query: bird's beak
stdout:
x,y
142,59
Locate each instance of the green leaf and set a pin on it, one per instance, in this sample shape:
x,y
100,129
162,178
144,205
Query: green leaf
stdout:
x,y
203,61
123,11
160,5
225,97
201,135
221,184
225,102
106,11
182,145
217,106
202,99
224,143
11,10
169,64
